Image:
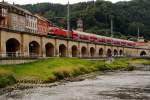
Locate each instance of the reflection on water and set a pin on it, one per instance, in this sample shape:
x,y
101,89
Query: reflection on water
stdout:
x,y
133,85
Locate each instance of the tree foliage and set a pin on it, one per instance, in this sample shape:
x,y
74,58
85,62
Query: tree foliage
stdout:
x,y
96,16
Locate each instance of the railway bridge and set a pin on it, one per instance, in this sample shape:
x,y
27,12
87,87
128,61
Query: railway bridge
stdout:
x,y
16,44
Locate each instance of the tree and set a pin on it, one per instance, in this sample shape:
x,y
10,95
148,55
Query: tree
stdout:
x,y
134,27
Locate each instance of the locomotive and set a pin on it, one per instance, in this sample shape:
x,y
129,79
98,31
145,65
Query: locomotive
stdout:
x,y
89,37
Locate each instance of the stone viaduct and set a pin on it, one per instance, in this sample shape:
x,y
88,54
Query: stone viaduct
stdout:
x,y
14,43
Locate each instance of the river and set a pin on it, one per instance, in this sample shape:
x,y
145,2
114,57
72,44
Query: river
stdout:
x,y
133,85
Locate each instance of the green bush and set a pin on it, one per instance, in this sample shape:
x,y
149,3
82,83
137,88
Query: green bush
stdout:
x,y
12,79
6,80
76,72
101,67
3,82
62,73
66,73
84,70
130,68
59,75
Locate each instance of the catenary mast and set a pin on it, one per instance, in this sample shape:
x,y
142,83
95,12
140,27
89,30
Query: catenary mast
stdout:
x,y
68,17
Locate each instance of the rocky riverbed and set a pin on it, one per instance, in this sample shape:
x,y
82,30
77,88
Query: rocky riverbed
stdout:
x,y
118,85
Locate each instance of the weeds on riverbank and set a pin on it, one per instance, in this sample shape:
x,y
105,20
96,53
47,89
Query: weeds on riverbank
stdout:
x,y
54,69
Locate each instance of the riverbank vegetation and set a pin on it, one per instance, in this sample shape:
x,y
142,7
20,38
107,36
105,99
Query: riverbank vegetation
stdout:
x,y
141,61
54,69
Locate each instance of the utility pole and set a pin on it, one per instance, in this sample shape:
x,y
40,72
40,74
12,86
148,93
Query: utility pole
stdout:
x,y
138,34
68,27
106,31
94,2
111,27
68,18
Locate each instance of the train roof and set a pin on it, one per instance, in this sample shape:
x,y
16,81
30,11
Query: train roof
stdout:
x,y
85,33
100,36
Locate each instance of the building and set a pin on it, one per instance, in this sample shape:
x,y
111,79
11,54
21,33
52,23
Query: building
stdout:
x,y
141,39
42,25
80,25
16,22
3,16
14,16
31,23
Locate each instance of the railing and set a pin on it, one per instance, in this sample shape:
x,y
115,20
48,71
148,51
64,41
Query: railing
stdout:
x,y
17,58
11,54
18,55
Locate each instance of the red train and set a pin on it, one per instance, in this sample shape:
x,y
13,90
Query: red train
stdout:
x,y
89,37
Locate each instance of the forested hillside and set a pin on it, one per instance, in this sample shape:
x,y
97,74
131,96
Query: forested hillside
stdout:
x,y
127,16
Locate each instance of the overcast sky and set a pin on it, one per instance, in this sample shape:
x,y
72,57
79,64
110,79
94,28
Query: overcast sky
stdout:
x,y
52,1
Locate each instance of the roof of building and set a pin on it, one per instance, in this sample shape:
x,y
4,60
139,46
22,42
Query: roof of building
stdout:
x,y
41,17
16,7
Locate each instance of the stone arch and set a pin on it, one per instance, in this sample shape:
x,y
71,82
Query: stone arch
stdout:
x,y
143,53
109,53
121,52
101,51
12,47
74,51
115,52
92,52
62,50
34,48
83,51
49,50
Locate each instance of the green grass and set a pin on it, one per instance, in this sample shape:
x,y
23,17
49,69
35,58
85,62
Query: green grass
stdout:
x,y
141,61
43,69
60,68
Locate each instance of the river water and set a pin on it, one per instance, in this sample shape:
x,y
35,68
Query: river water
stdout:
x,y
134,85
